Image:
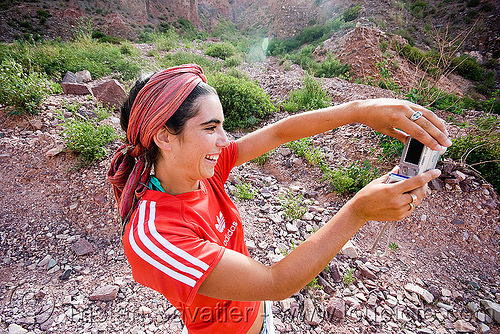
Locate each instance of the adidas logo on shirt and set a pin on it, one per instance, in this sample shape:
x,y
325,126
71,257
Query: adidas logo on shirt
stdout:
x,y
221,223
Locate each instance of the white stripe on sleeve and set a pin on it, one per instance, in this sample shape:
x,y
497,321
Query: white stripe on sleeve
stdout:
x,y
155,249
181,278
176,250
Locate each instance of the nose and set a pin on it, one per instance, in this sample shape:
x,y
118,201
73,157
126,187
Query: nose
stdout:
x,y
222,141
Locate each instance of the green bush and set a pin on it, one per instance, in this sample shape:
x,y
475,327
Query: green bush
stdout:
x,y
221,50
311,35
331,68
305,149
244,190
233,61
435,64
22,90
305,59
165,41
427,61
391,147
383,45
350,179
468,67
480,149
234,72
386,81
243,101
293,205
226,30
434,98
491,105
310,97
418,8
351,13
87,138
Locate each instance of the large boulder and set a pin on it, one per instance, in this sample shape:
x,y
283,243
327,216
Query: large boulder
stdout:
x,y
74,83
110,92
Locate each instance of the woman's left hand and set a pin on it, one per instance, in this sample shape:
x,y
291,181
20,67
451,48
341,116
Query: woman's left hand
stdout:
x,y
394,118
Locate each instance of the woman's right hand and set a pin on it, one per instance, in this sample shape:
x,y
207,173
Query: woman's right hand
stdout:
x,y
391,202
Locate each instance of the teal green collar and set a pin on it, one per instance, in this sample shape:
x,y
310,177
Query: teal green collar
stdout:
x,y
155,184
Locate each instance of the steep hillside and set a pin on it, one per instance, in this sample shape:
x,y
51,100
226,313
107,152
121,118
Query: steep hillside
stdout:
x,y
414,20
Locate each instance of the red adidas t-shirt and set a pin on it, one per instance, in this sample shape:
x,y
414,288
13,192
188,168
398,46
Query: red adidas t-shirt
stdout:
x,y
173,242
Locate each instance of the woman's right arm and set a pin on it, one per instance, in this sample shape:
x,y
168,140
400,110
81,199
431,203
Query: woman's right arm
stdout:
x,y
238,277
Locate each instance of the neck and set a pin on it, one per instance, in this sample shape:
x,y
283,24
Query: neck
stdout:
x,y
174,183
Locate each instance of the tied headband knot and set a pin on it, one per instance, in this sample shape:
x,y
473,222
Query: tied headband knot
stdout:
x,y
155,103
133,150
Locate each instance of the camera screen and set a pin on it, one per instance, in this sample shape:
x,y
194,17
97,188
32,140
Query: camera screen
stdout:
x,y
414,151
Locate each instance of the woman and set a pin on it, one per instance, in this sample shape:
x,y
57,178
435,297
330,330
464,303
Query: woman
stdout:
x,y
182,234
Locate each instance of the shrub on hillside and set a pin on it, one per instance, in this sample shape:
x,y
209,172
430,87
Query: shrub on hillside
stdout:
x,y
243,101
165,41
491,105
305,59
480,149
311,96
233,61
312,35
221,50
468,67
87,138
331,68
350,179
351,13
418,8
22,90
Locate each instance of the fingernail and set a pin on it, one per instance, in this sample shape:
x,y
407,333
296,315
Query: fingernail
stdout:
x,y
447,143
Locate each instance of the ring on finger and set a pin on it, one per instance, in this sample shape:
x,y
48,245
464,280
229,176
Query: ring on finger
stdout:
x,y
413,198
416,115
412,206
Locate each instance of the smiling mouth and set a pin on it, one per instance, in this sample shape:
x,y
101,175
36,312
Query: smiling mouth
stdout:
x,y
212,157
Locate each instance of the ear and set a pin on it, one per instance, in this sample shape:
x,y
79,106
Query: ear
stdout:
x,y
163,139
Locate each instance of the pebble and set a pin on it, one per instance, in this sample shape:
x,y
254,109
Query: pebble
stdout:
x,y
366,272
16,329
493,309
349,250
463,326
105,293
426,295
291,228
336,308
310,313
44,261
82,247
143,310
484,328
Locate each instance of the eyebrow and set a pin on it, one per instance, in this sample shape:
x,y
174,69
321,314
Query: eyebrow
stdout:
x,y
213,120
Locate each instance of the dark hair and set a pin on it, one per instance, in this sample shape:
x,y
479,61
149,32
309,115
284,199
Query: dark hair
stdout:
x,y
175,124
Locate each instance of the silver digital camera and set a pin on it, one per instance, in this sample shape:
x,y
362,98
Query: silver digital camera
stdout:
x,y
416,159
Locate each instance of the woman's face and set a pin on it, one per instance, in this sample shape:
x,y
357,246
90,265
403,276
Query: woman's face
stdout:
x,y
195,151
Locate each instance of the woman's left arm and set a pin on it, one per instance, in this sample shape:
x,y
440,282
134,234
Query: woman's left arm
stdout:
x,y
388,116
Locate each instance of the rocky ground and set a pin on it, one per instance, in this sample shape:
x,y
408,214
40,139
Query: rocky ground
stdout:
x,y
62,268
